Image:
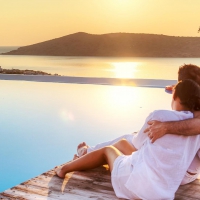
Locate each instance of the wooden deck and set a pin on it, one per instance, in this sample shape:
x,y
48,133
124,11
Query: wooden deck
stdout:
x,y
92,184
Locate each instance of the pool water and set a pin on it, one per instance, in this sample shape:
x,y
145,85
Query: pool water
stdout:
x,y
42,123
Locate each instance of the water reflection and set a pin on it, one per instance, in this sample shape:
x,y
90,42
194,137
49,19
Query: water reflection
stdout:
x,y
125,69
121,96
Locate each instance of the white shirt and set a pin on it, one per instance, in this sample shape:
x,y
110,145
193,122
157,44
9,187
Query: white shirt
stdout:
x,y
159,167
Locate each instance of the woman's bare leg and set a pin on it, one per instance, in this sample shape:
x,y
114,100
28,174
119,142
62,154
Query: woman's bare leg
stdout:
x,y
83,148
106,155
122,145
125,147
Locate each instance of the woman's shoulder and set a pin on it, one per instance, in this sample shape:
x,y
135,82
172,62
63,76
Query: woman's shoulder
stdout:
x,y
170,115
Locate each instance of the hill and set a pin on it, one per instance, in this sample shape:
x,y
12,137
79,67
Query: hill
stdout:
x,y
116,45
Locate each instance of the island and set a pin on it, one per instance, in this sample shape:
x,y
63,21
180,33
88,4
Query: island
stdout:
x,y
24,72
115,45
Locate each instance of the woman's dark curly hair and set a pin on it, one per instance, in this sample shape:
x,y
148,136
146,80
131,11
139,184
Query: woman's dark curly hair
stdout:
x,y
188,92
189,71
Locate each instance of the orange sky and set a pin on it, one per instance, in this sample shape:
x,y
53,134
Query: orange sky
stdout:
x,y
24,22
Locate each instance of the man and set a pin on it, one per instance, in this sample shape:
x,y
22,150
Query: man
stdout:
x,y
188,127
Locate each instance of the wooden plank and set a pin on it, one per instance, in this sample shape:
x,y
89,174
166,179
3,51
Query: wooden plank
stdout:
x,y
92,184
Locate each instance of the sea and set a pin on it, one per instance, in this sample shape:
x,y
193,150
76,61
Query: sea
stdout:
x,y
104,67
42,123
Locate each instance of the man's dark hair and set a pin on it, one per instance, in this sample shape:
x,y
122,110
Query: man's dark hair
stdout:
x,y
189,71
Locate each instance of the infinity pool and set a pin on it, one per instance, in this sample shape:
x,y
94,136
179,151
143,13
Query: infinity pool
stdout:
x,y
42,123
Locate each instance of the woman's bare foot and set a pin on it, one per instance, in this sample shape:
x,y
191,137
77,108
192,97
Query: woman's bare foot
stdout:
x,y
59,172
82,149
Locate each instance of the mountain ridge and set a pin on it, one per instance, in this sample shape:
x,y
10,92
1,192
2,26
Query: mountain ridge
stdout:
x,y
114,45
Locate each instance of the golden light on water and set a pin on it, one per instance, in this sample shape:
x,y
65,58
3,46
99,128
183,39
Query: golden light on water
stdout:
x,y
125,69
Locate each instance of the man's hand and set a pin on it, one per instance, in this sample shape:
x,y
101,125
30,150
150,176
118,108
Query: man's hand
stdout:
x,y
155,130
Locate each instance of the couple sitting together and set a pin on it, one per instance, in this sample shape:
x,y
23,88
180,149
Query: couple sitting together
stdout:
x,y
164,154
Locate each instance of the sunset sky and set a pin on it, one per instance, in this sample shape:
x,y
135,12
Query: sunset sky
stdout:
x,y
24,22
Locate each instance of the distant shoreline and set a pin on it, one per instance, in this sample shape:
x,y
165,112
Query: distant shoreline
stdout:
x,y
155,83
24,72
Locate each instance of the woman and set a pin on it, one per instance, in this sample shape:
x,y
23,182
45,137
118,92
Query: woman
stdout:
x,y
145,170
